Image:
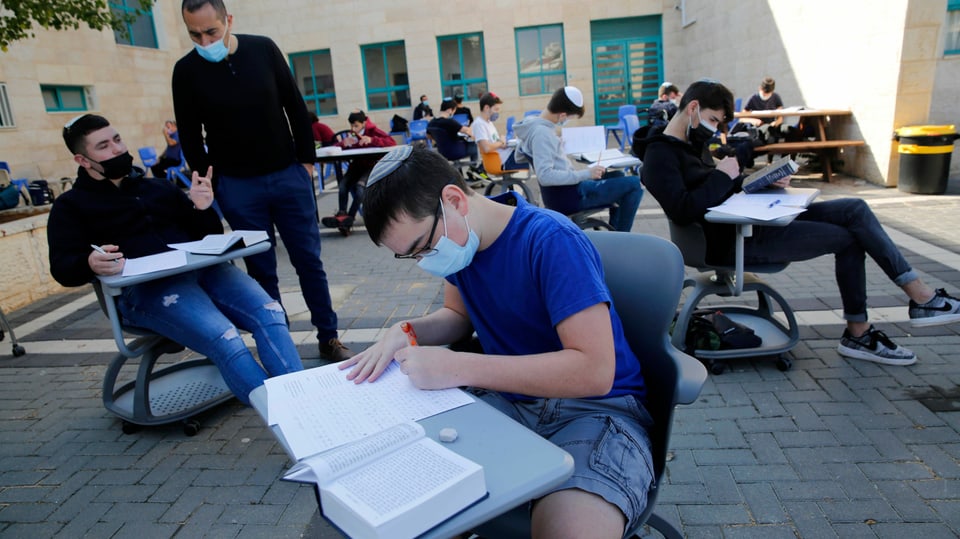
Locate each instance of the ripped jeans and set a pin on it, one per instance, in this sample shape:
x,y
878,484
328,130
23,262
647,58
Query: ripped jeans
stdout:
x,y
202,310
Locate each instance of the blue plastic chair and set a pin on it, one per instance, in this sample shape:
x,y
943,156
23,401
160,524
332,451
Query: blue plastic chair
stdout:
x,y
463,119
628,125
510,121
418,131
149,157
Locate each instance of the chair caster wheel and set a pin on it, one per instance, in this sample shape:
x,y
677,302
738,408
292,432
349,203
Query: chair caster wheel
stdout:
x,y
18,350
717,367
129,428
784,364
191,427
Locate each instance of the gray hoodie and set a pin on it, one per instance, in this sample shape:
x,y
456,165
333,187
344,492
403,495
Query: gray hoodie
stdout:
x,y
539,141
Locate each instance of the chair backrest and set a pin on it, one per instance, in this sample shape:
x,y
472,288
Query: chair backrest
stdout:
x,y
630,123
5,166
561,198
626,110
340,135
148,154
462,119
5,177
492,164
510,121
531,113
692,243
448,147
418,129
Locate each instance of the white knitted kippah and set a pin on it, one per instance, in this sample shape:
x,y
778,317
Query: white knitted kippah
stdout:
x,y
574,95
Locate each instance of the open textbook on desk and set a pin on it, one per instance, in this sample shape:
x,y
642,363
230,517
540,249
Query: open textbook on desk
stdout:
x,y
589,145
217,244
376,473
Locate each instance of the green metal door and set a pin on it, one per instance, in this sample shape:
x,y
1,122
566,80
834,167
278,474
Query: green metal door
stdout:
x,y
627,64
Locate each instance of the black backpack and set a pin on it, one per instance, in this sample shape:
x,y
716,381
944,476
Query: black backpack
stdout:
x,y
40,193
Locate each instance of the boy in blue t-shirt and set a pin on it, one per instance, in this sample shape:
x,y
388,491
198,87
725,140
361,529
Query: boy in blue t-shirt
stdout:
x,y
554,358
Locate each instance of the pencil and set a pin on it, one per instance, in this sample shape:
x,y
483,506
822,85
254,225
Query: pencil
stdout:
x,y
411,334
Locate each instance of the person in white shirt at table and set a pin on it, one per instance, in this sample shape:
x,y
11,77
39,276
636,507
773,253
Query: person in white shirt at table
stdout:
x,y
486,134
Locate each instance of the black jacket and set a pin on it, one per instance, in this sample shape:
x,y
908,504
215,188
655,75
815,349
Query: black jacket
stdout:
x,y
141,216
685,184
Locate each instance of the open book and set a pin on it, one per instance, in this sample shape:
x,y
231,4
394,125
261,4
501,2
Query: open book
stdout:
x,y
396,483
611,158
217,244
781,168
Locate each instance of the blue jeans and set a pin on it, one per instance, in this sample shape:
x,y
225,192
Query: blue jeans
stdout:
x,y
202,310
284,199
512,164
848,229
625,191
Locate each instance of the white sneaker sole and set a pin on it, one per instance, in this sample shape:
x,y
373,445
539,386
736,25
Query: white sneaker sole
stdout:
x,y
867,356
935,320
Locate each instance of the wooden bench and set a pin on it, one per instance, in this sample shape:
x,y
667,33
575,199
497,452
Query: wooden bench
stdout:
x,y
823,148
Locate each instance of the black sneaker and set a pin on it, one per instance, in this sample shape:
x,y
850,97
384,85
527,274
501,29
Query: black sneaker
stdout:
x,y
874,345
334,350
942,309
336,221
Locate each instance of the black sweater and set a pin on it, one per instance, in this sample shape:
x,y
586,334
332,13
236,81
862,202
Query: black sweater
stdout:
x,y
242,103
141,217
685,185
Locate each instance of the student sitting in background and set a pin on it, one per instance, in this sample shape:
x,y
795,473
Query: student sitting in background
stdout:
x,y
486,136
458,99
364,134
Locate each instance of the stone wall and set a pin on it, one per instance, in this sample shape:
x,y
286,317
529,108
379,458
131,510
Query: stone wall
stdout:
x,y
25,272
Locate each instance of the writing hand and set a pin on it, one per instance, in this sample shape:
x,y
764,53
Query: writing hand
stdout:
x,y
201,189
106,260
597,172
429,367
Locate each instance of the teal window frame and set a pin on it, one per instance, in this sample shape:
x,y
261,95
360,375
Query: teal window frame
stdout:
x,y
542,74
132,38
449,88
313,99
953,33
58,91
392,91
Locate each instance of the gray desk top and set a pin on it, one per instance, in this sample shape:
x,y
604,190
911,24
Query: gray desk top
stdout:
x,y
518,465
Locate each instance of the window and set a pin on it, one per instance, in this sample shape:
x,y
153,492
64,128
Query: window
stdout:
x,y
953,28
313,72
6,115
462,69
64,98
141,32
385,74
540,59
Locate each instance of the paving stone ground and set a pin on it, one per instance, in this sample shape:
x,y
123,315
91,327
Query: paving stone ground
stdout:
x,y
831,448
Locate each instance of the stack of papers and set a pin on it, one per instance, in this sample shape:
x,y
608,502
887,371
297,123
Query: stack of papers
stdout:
x,y
763,207
217,244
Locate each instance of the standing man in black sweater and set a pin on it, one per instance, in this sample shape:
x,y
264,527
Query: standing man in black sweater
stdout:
x,y
239,90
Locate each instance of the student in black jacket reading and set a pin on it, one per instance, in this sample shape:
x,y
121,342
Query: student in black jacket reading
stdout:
x,y
113,207
238,90
686,181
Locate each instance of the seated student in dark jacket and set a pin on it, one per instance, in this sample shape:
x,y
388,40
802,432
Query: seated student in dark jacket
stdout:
x,y
363,134
112,205
686,181
453,128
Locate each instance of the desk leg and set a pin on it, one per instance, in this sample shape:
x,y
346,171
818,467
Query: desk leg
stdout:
x,y
743,231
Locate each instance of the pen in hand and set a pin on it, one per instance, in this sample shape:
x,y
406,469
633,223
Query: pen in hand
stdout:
x,y
100,250
410,333
774,203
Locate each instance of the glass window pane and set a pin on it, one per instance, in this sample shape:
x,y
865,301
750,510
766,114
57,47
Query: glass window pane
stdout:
x,y
531,86
401,98
475,90
327,106
144,34
50,99
323,71
528,50
473,57
373,66
553,83
71,98
303,75
552,39
953,32
450,60
378,101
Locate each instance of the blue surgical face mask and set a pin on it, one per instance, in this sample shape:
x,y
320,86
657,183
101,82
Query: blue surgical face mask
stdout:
x,y
425,103
495,116
214,52
448,257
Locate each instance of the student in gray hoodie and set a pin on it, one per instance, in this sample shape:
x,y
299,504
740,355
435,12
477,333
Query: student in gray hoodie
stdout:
x,y
595,186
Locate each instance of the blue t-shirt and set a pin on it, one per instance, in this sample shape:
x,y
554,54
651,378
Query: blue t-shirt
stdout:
x,y
541,270
173,152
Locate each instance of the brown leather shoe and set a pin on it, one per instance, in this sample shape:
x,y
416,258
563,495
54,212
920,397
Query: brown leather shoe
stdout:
x,y
334,350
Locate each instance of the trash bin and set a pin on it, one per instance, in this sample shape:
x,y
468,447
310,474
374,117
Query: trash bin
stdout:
x,y
925,157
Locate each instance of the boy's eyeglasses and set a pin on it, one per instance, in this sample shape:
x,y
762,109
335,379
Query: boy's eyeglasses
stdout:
x,y
426,250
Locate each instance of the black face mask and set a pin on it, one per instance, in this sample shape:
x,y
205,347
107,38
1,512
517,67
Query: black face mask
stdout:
x,y
700,135
117,167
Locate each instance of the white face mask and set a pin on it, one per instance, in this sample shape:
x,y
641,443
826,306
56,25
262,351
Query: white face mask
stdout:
x,y
449,257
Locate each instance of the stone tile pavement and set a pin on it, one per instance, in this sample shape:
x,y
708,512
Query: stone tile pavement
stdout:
x,y
831,448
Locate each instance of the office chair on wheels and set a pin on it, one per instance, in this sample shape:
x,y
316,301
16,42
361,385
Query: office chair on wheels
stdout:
x,y
644,274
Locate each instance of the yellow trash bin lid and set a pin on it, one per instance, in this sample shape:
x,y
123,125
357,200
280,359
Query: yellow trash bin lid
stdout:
x,y
926,131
